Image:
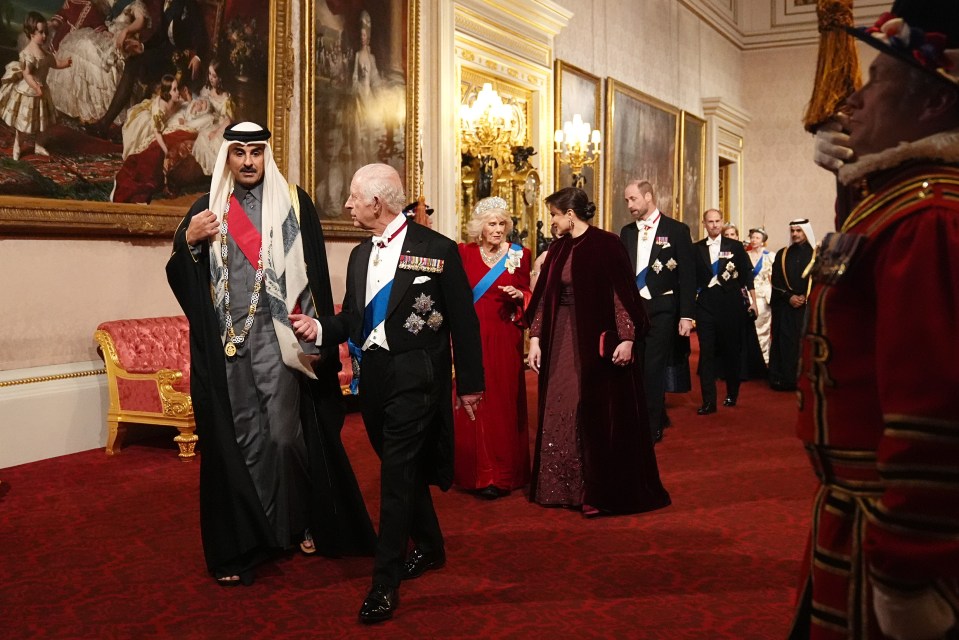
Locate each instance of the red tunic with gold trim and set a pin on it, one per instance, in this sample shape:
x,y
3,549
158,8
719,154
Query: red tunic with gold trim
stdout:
x,y
879,403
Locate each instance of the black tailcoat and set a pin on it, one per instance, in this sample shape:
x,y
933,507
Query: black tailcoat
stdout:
x,y
451,296
719,314
681,280
406,392
671,268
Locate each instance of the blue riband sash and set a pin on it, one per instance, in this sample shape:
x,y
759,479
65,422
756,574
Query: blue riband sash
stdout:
x,y
759,265
716,268
495,272
375,311
641,278
373,315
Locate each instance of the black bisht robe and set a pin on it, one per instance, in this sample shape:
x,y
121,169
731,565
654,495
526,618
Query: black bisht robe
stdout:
x,y
788,322
235,530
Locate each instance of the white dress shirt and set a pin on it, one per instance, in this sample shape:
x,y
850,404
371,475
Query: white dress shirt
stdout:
x,y
381,269
646,228
713,245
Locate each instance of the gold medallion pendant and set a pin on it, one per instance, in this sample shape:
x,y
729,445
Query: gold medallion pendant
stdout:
x,y
230,349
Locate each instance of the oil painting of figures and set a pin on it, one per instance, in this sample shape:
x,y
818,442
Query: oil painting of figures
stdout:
x,y
360,89
125,100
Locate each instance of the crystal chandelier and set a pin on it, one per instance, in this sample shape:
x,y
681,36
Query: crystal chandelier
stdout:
x,y
489,127
572,146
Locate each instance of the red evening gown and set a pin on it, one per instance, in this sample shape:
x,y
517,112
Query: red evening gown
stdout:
x,y
494,449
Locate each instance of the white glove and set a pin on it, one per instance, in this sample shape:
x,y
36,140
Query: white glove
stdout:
x,y
923,615
832,145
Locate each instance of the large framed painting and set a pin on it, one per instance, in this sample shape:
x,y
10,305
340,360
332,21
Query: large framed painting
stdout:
x,y
578,91
124,139
642,142
359,98
692,194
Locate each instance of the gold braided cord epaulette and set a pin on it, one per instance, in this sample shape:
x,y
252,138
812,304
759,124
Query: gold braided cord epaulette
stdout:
x,y
902,198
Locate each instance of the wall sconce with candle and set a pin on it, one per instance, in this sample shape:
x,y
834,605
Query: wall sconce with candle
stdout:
x,y
572,147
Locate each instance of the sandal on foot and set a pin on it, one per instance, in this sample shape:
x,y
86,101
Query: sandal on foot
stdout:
x,y
244,578
228,581
307,545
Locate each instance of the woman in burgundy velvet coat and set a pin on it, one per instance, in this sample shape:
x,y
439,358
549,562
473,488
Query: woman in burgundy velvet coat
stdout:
x,y
594,450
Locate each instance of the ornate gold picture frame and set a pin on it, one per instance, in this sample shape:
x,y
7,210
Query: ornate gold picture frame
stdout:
x,y
265,86
360,99
692,170
578,91
642,142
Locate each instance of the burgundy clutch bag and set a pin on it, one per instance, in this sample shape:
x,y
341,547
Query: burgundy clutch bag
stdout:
x,y
608,341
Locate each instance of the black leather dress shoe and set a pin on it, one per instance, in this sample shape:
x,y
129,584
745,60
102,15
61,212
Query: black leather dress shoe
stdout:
x,y
707,408
730,401
379,605
419,563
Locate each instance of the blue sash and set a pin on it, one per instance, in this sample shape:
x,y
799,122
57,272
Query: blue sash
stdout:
x,y
641,278
373,315
375,311
715,266
759,265
495,272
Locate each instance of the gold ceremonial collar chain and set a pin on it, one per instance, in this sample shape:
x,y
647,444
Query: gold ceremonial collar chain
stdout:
x,y
233,340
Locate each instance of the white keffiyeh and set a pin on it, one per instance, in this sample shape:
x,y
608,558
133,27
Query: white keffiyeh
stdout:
x,y
284,269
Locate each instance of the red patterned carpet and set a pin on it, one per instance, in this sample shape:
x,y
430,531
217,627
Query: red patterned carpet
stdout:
x,y
97,547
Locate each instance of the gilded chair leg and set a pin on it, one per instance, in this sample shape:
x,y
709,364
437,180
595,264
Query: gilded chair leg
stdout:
x,y
115,439
187,441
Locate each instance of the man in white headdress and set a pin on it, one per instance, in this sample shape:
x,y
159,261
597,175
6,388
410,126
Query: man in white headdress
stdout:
x,y
268,407
790,282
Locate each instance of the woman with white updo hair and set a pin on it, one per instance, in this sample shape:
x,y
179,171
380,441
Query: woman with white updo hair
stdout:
x,y
492,452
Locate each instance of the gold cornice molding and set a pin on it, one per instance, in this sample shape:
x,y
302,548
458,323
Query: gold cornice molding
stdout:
x,y
542,17
481,56
499,37
52,378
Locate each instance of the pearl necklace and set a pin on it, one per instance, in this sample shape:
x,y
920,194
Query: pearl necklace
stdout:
x,y
492,258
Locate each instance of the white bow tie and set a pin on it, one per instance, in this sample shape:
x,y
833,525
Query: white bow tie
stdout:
x,y
711,241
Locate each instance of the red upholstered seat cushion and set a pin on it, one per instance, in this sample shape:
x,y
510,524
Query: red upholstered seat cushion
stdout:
x,y
147,345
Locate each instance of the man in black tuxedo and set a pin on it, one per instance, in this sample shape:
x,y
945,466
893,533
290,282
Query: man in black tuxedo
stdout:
x,y
407,298
175,30
661,251
723,271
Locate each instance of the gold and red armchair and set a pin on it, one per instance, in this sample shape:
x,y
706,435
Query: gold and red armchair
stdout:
x,y
148,376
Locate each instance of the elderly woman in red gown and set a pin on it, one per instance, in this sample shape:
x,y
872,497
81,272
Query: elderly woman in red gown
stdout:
x,y
492,452
594,450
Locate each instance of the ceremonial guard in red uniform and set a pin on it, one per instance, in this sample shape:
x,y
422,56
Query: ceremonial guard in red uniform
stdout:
x,y
880,358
